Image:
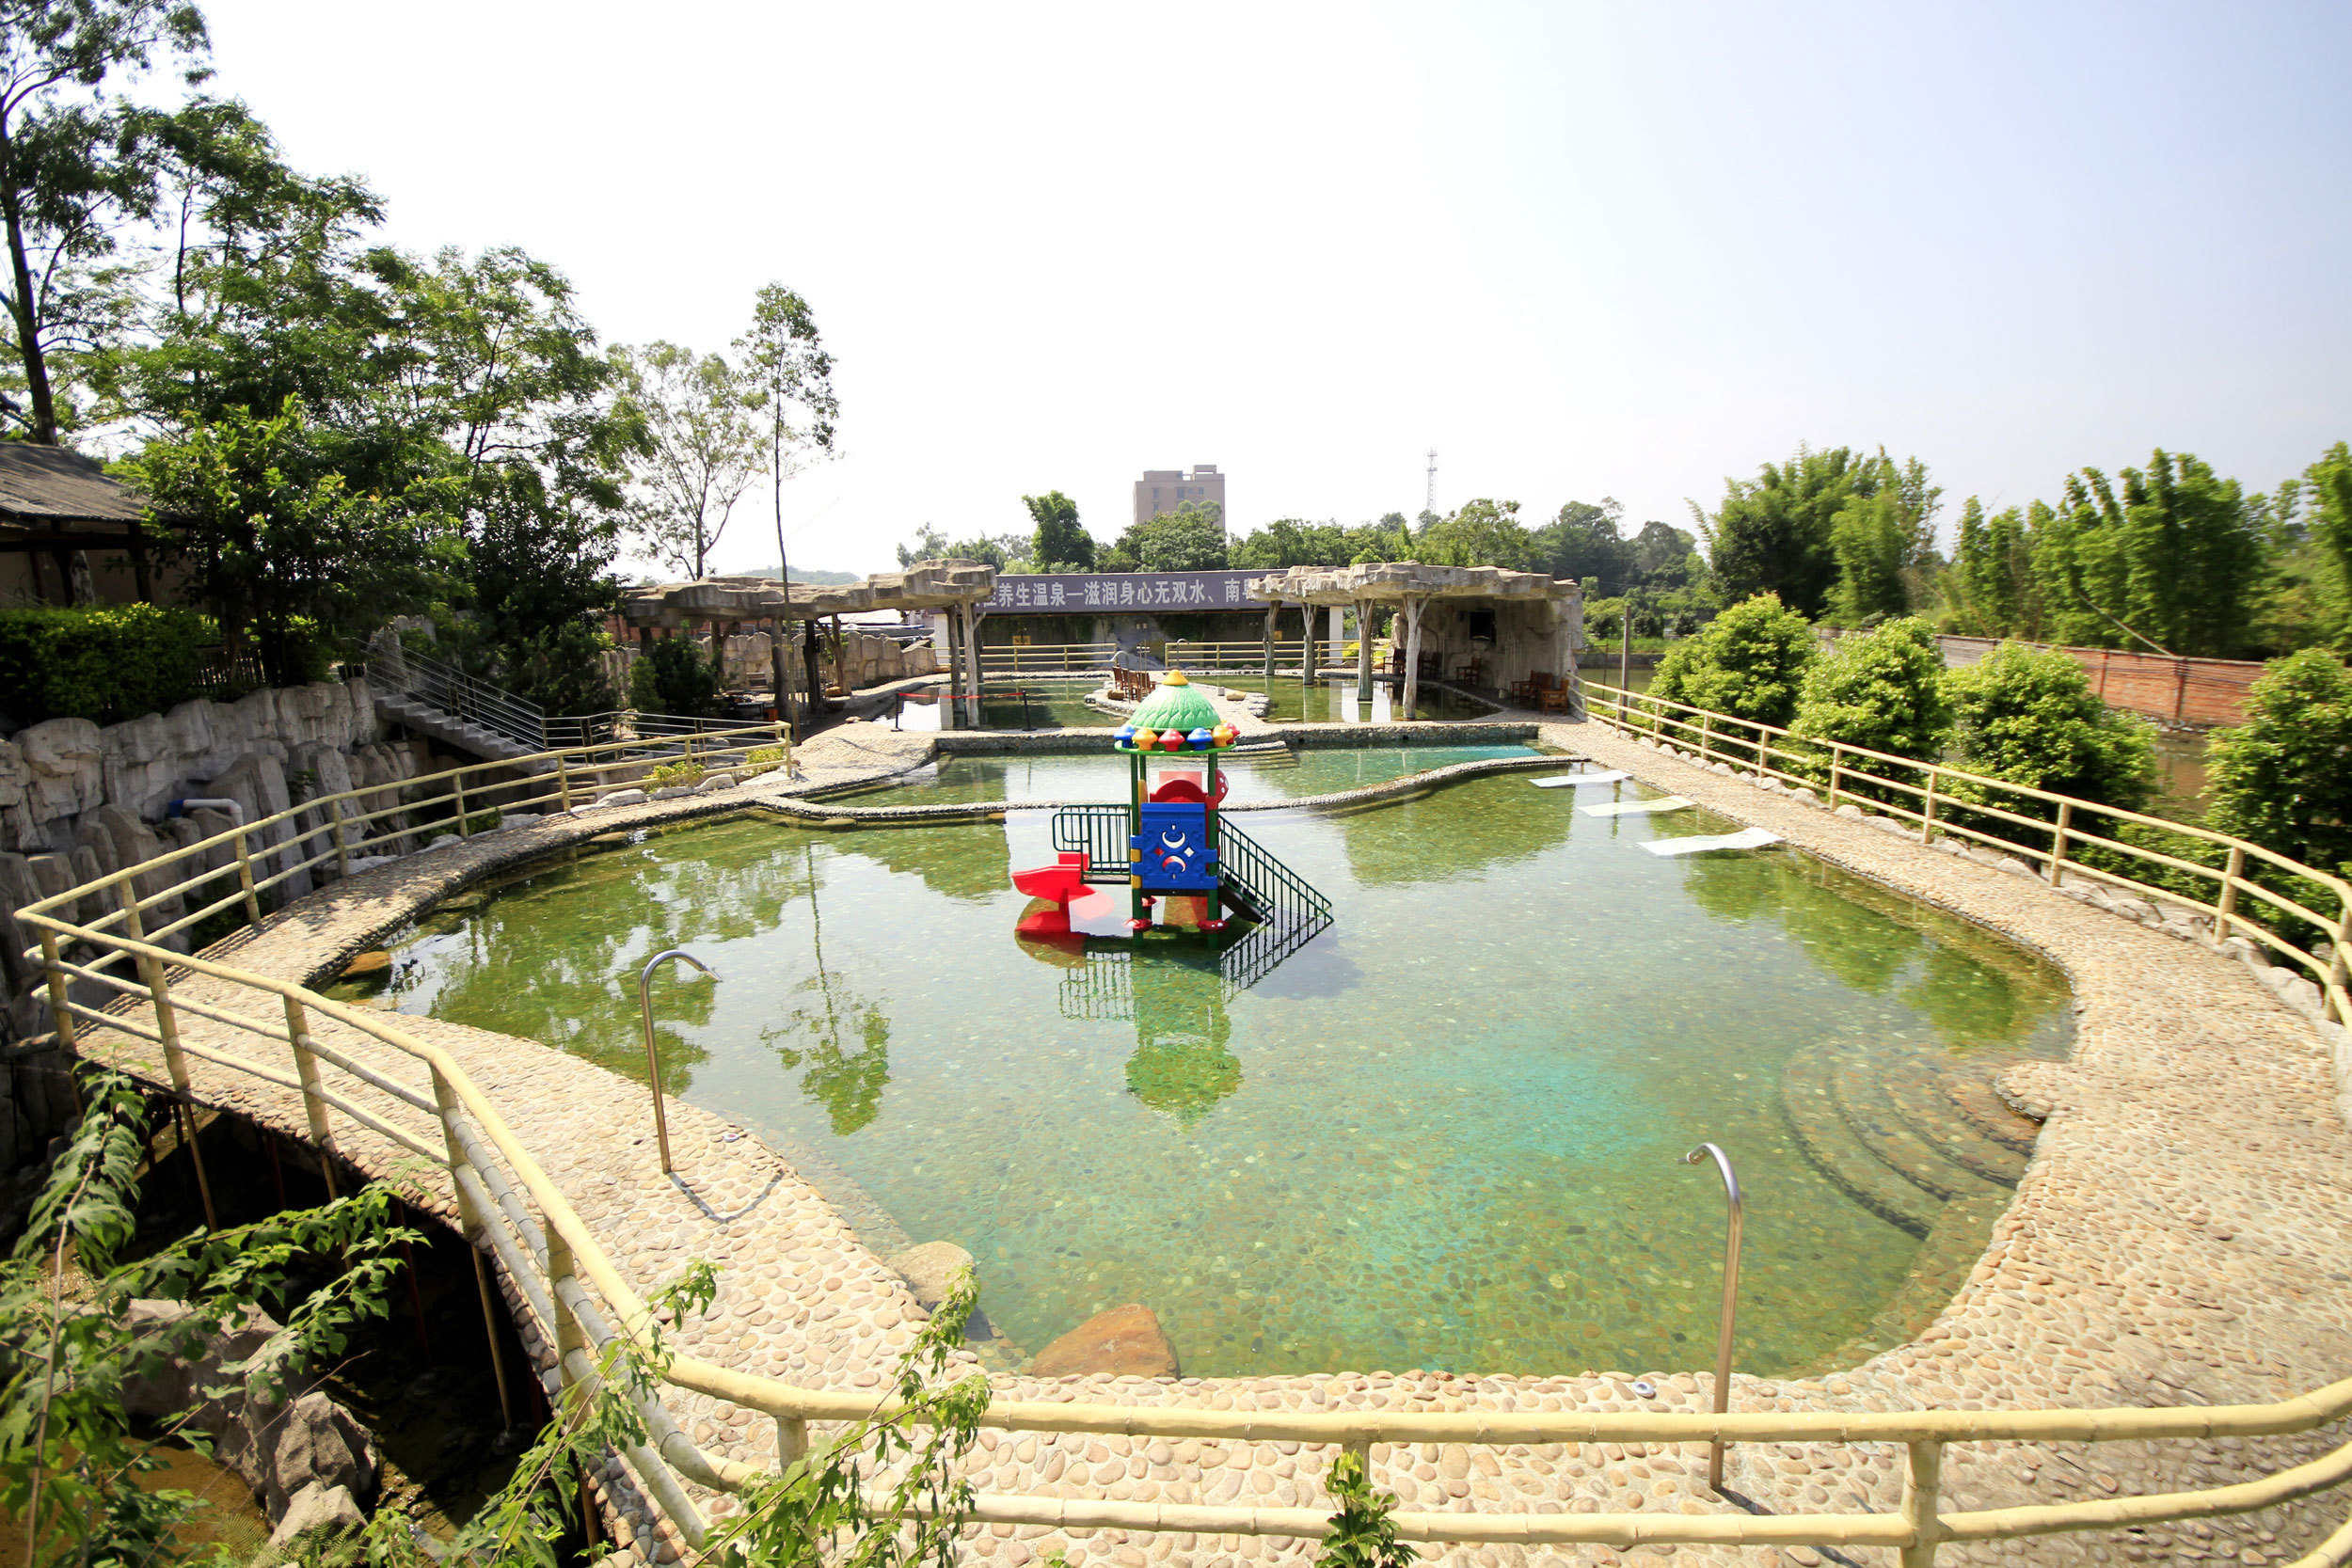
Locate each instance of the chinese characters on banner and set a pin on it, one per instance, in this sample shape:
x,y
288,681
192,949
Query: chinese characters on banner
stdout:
x,y
1082,593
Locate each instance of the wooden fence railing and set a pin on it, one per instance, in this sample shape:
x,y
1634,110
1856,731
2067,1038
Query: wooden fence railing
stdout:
x,y
145,991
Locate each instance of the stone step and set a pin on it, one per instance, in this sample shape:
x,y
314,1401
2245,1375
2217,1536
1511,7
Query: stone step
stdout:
x,y
1829,1141
1972,1090
1916,1088
1858,1084
1942,1265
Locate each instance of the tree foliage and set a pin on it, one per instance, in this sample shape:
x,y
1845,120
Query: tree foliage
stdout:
x,y
1061,543
2283,778
270,535
1481,534
2032,719
1189,539
705,446
1884,689
675,677
2170,559
1750,662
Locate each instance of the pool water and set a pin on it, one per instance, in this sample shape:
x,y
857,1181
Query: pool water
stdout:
x,y
1045,702
1284,775
1333,702
1444,1133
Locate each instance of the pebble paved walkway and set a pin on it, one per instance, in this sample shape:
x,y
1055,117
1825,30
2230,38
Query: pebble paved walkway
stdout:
x,y
2184,1235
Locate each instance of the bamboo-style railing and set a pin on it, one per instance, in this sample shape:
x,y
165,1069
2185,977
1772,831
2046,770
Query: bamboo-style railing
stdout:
x,y
1944,799
581,1301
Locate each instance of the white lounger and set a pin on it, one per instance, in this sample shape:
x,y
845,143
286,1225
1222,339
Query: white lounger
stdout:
x,y
1746,838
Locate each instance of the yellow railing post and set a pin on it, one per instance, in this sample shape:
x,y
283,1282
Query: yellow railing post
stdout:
x,y
563,782
1836,770
60,1015
1927,811
1923,1477
313,1107
2057,840
457,792
152,971
791,1441
2227,902
245,878
1706,725
335,831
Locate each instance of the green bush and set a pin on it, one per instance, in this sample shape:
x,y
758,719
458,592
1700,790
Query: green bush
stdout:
x,y
1750,662
675,775
674,677
2032,719
103,663
2283,778
1884,691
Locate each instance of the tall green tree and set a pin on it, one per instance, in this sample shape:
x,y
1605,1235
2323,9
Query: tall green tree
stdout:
x,y
76,163
270,537
2171,560
1772,534
1584,541
1990,586
788,372
1189,539
1481,534
705,449
1062,545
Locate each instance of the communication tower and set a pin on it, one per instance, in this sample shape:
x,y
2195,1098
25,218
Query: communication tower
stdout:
x,y
1431,504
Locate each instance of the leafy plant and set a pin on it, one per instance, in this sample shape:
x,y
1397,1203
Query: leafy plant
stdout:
x,y
2032,719
69,1463
762,760
1750,662
1884,691
674,676
105,664
676,775
1363,1532
2283,778
484,821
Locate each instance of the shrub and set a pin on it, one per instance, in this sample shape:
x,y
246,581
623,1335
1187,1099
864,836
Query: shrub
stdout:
x,y
2283,778
762,760
1750,662
675,677
676,775
2032,719
105,663
1884,691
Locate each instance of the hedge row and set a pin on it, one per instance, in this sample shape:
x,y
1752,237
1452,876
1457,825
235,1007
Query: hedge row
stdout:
x,y
105,664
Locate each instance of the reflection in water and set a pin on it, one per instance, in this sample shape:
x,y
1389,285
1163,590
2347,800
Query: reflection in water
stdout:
x,y
1442,1133
848,1083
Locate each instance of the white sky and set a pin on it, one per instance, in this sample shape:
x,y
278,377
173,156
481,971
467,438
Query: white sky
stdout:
x,y
1580,249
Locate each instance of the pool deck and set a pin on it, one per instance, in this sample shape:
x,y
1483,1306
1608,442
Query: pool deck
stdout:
x,y
2184,1235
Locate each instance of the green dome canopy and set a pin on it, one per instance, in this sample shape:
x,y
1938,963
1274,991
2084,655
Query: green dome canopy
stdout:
x,y
1176,705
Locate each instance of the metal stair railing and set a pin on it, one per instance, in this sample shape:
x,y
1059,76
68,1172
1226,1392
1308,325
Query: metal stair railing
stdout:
x,y
1283,896
466,698
1101,831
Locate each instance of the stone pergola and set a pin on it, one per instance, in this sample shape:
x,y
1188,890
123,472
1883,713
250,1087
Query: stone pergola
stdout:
x,y
956,586
1538,621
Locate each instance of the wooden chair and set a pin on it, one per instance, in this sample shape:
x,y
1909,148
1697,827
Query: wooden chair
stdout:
x,y
1525,693
1553,698
1471,670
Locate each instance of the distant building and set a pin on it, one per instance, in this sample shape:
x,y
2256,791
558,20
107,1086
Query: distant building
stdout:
x,y
1165,490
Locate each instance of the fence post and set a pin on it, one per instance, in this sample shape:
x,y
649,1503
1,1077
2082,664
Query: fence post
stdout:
x,y
152,971
2057,840
458,791
791,1441
2337,967
245,878
1707,721
568,1336
563,784
2228,899
335,831
313,1107
1927,812
59,1013
1836,770
1923,1476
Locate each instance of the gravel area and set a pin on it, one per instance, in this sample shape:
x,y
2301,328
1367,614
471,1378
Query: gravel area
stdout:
x,y
2184,1235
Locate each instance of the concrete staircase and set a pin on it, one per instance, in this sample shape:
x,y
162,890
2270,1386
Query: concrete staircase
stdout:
x,y
452,730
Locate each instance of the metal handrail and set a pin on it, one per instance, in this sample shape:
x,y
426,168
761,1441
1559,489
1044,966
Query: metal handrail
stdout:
x,y
465,697
1262,874
1730,1312
653,1053
1930,785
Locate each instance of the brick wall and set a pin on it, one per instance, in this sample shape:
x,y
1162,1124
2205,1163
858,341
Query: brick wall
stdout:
x,y
2188,690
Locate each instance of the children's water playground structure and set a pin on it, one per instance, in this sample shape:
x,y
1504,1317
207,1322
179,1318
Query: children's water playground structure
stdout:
x,y
1185,867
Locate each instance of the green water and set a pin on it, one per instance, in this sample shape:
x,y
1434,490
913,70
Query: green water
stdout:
x,y
1278,776
1333,702
1445,1133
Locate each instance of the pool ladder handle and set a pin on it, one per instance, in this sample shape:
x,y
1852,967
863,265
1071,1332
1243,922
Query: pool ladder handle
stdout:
x,y
1731,1299
653,1055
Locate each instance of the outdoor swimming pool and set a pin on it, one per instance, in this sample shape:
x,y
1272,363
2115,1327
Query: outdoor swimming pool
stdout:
x,y
1333,701
1444,1134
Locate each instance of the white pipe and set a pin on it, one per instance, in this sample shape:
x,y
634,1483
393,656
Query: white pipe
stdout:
x,y
180,808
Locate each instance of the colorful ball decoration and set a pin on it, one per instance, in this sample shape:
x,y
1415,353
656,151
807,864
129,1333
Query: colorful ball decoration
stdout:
x,y
1123,735
1223,735
1143,741
1197,740
1171,741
